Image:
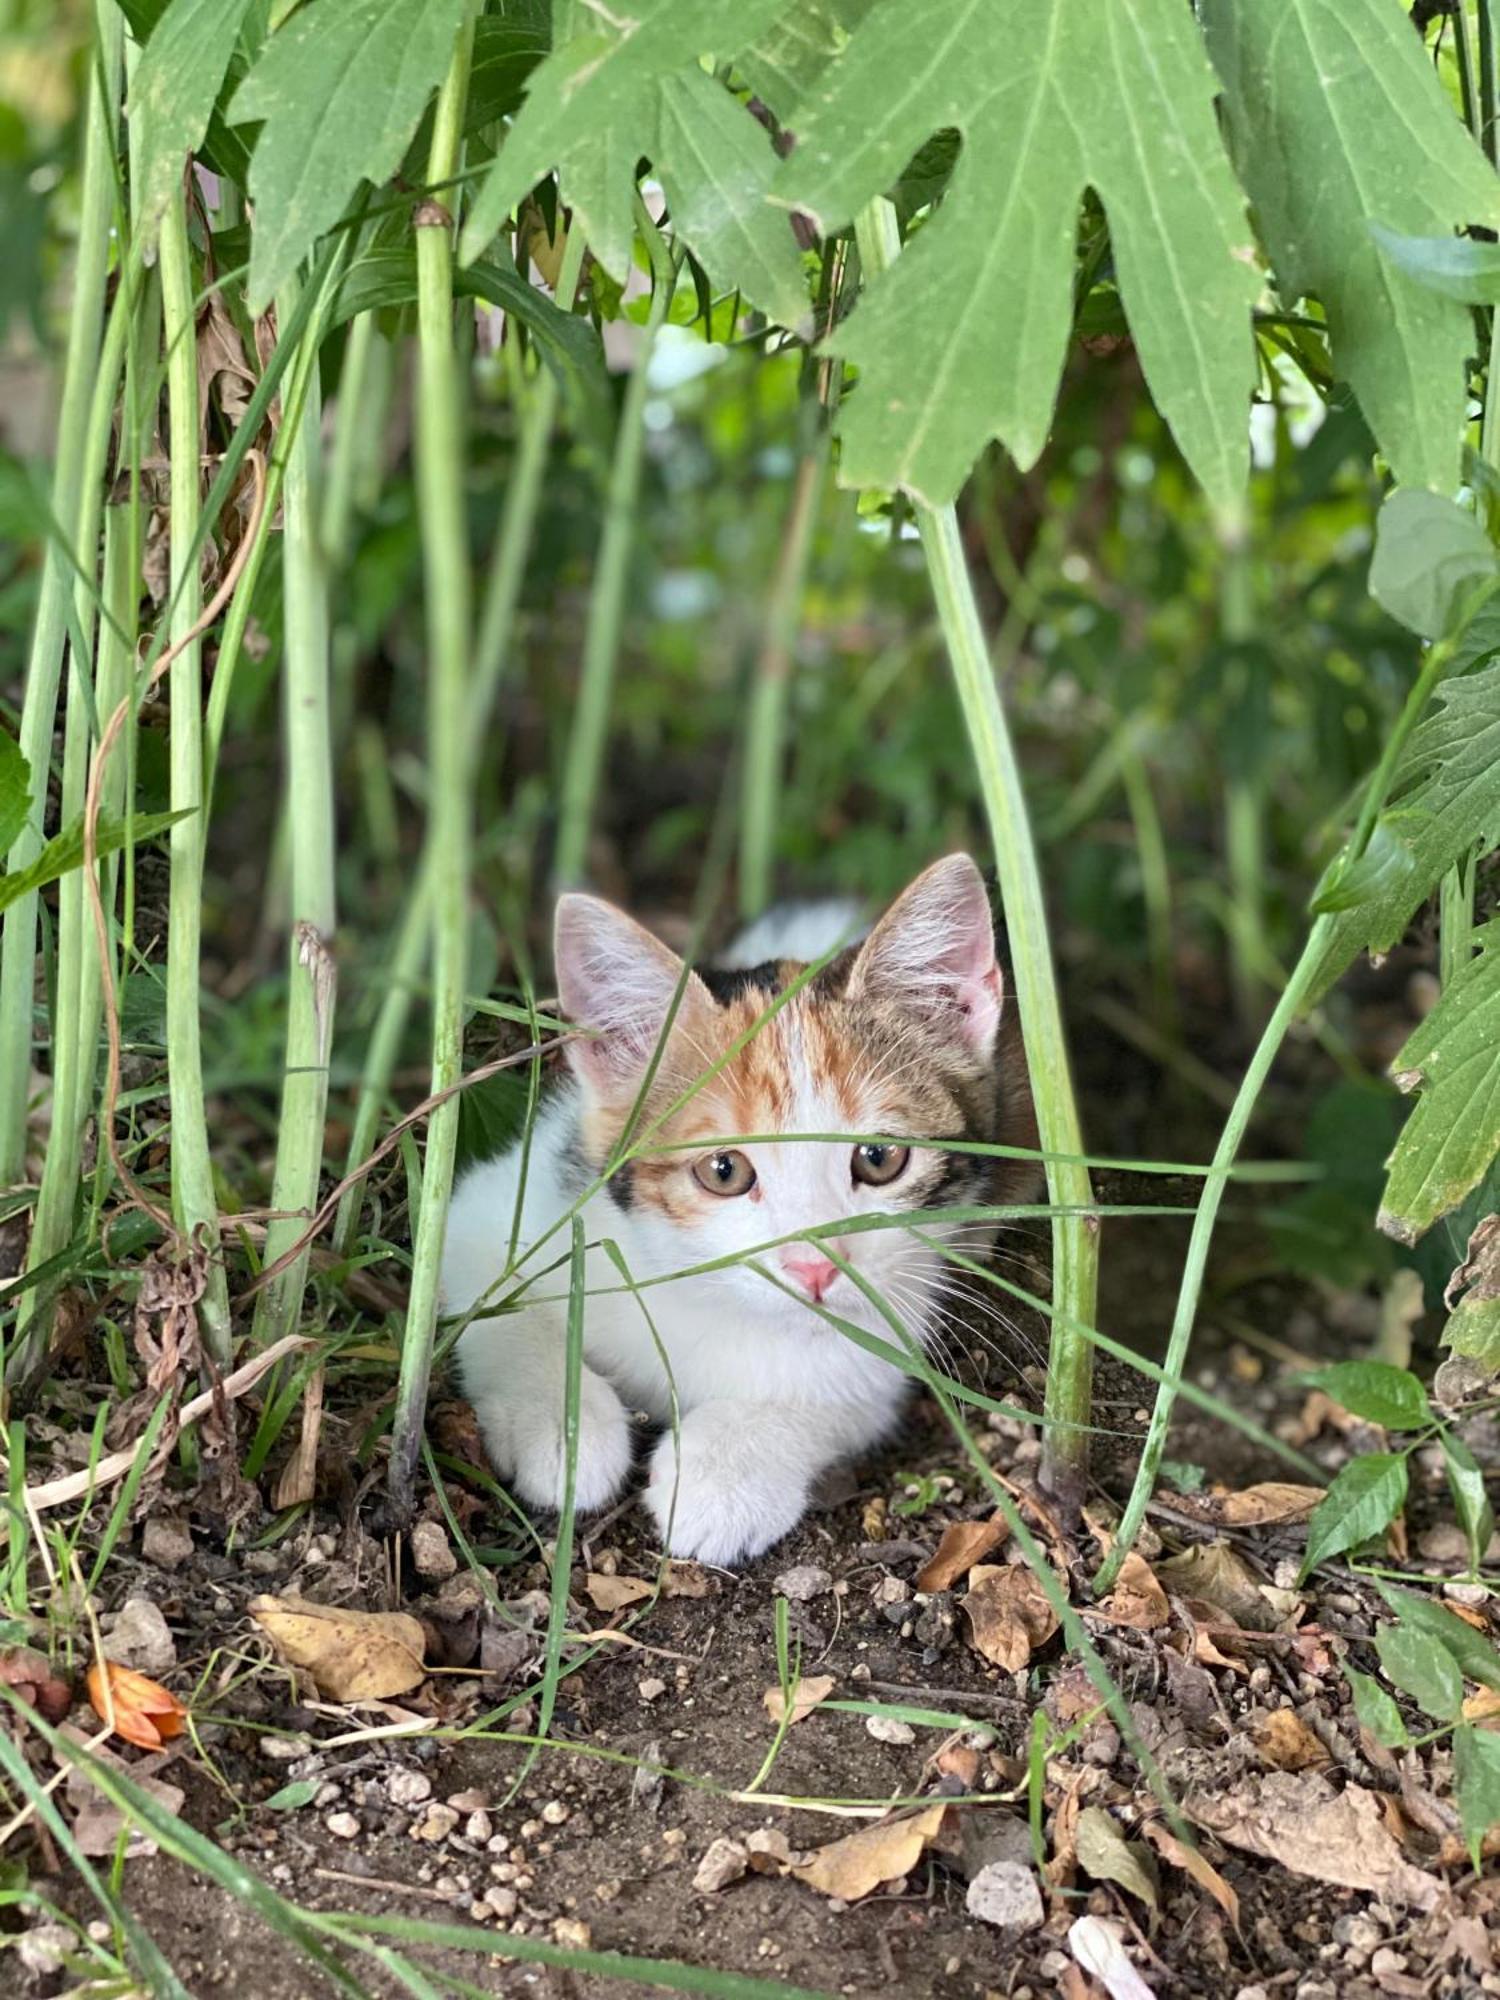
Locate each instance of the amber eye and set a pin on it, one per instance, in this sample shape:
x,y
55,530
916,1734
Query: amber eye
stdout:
x,y
724,1173
878,1166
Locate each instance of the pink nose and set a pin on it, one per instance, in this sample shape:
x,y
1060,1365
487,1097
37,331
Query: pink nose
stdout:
x,y
815,1274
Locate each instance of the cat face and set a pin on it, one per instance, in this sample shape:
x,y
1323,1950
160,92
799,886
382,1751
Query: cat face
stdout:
x,y
895,1041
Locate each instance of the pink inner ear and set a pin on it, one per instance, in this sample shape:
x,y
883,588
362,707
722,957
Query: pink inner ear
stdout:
x,y
935,949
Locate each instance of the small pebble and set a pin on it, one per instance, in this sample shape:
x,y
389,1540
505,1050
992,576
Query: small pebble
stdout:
x,y
554,1812
724,1862
478,1827
471,1801
1005,1894
500,1902
431,1554
436,1823
283,1749
342,1825
573,1932
408,1788
167,1542
804,1583
1386,1960
886,1729
651,1689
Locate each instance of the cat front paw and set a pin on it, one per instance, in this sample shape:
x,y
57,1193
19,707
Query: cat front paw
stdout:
x,y
527,1446
717,1505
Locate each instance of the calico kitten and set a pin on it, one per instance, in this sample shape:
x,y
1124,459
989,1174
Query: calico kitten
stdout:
x,y
900,1035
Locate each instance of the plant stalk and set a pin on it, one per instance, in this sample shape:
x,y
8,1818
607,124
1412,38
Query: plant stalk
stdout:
x,y
1075,1237
601,644
194,1205
440,481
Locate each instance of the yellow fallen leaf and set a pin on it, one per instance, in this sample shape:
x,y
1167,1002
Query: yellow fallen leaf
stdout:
x,y
860,1862
1481,1706
1009,1614
1137,1598
1191,1862
351,1655
613,1593
806,1695
1272,1501
1285,1740
963,1544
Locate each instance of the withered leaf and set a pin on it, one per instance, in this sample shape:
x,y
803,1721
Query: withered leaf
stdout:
x,y
1300,1821
1009,1614
351,1655
1191,1862
806,1695
1109,1857
1214,1574
1265,1505
686,1579
963,1544
1285,1741
613,1593
29,1676
858,1864
1137,1598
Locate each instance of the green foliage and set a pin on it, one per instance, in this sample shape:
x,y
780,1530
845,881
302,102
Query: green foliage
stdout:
x,y
1335,117
1420,1666
15,790
172,98
1476,1782
1362,1502
1049,101
1430,557
64,852
1376,1710
1470,1491
1374,1390
1475,1656
340,88
1453,1058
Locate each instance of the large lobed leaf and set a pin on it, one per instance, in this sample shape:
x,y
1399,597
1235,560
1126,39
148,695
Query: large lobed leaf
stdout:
x,y
964,339
174,91
1445,799
1447,1144
617,89
341,87
1337,120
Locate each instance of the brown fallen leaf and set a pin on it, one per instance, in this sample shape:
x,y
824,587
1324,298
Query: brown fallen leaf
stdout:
x,y
1009,1614
351,1655
1285,1741
1265,1505
1191,1862
139,1710
613,1593
1480,1706
860,1862
1300,1821
29,1676
806,1695
686,1579
963,1544
1216,1575
1137,1599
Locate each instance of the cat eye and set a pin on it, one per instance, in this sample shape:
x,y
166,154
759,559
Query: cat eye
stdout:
x,y
878,1166
724,1173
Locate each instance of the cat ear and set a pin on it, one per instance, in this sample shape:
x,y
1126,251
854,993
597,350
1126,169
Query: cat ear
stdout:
x,y
934,952
614,978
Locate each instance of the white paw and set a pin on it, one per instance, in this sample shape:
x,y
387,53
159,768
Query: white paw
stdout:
x,y
527,1447
718,1505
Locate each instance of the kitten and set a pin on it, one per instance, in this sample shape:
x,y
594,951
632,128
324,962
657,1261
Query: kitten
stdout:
x,y
900,1035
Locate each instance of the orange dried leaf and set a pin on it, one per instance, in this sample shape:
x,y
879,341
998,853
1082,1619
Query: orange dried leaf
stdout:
x,y
1137,1598
1191,1862
1273,1501
860,1862
964,1543
1285,1740
139,1710
613,1593
806,1695
1009,1614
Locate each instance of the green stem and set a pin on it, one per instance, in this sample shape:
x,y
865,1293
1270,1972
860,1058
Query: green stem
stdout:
x,y
356,433
194,1205
440,486
1487,80
44,661
309,806
1075,1238
766,723
601,643
1156,883
1287,1008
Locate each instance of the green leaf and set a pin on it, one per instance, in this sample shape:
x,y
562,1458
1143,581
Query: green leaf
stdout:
x,y
592,111
1430,556
1456,266
1363,1501
1445,799
790,58
1476,1784
1381,870
1471,1500
1376,1709
15,790
1110,1857
64,852
1446,1146
1335,118
963,340
340,87
507,48
1391,1397
1423,1668
1475,1655
301,1792
175,89
1473,1329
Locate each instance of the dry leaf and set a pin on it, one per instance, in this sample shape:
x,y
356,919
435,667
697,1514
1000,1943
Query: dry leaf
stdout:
x,y
613,1593
1263,1506
1477,1707
1009,1613
964,1543
860,1862
806,1695
30,1678
1137,1598
1285,1740
1191,1862
1299,1820
139,1710
1099,1948
1213,1573
1109,1857
686,1579
351,1655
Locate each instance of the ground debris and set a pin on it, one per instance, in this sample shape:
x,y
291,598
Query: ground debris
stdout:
x,y
857,1865
1009,1614
802,1584
1299,1820
807,1693
351,1655
963,1544
1007,1895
